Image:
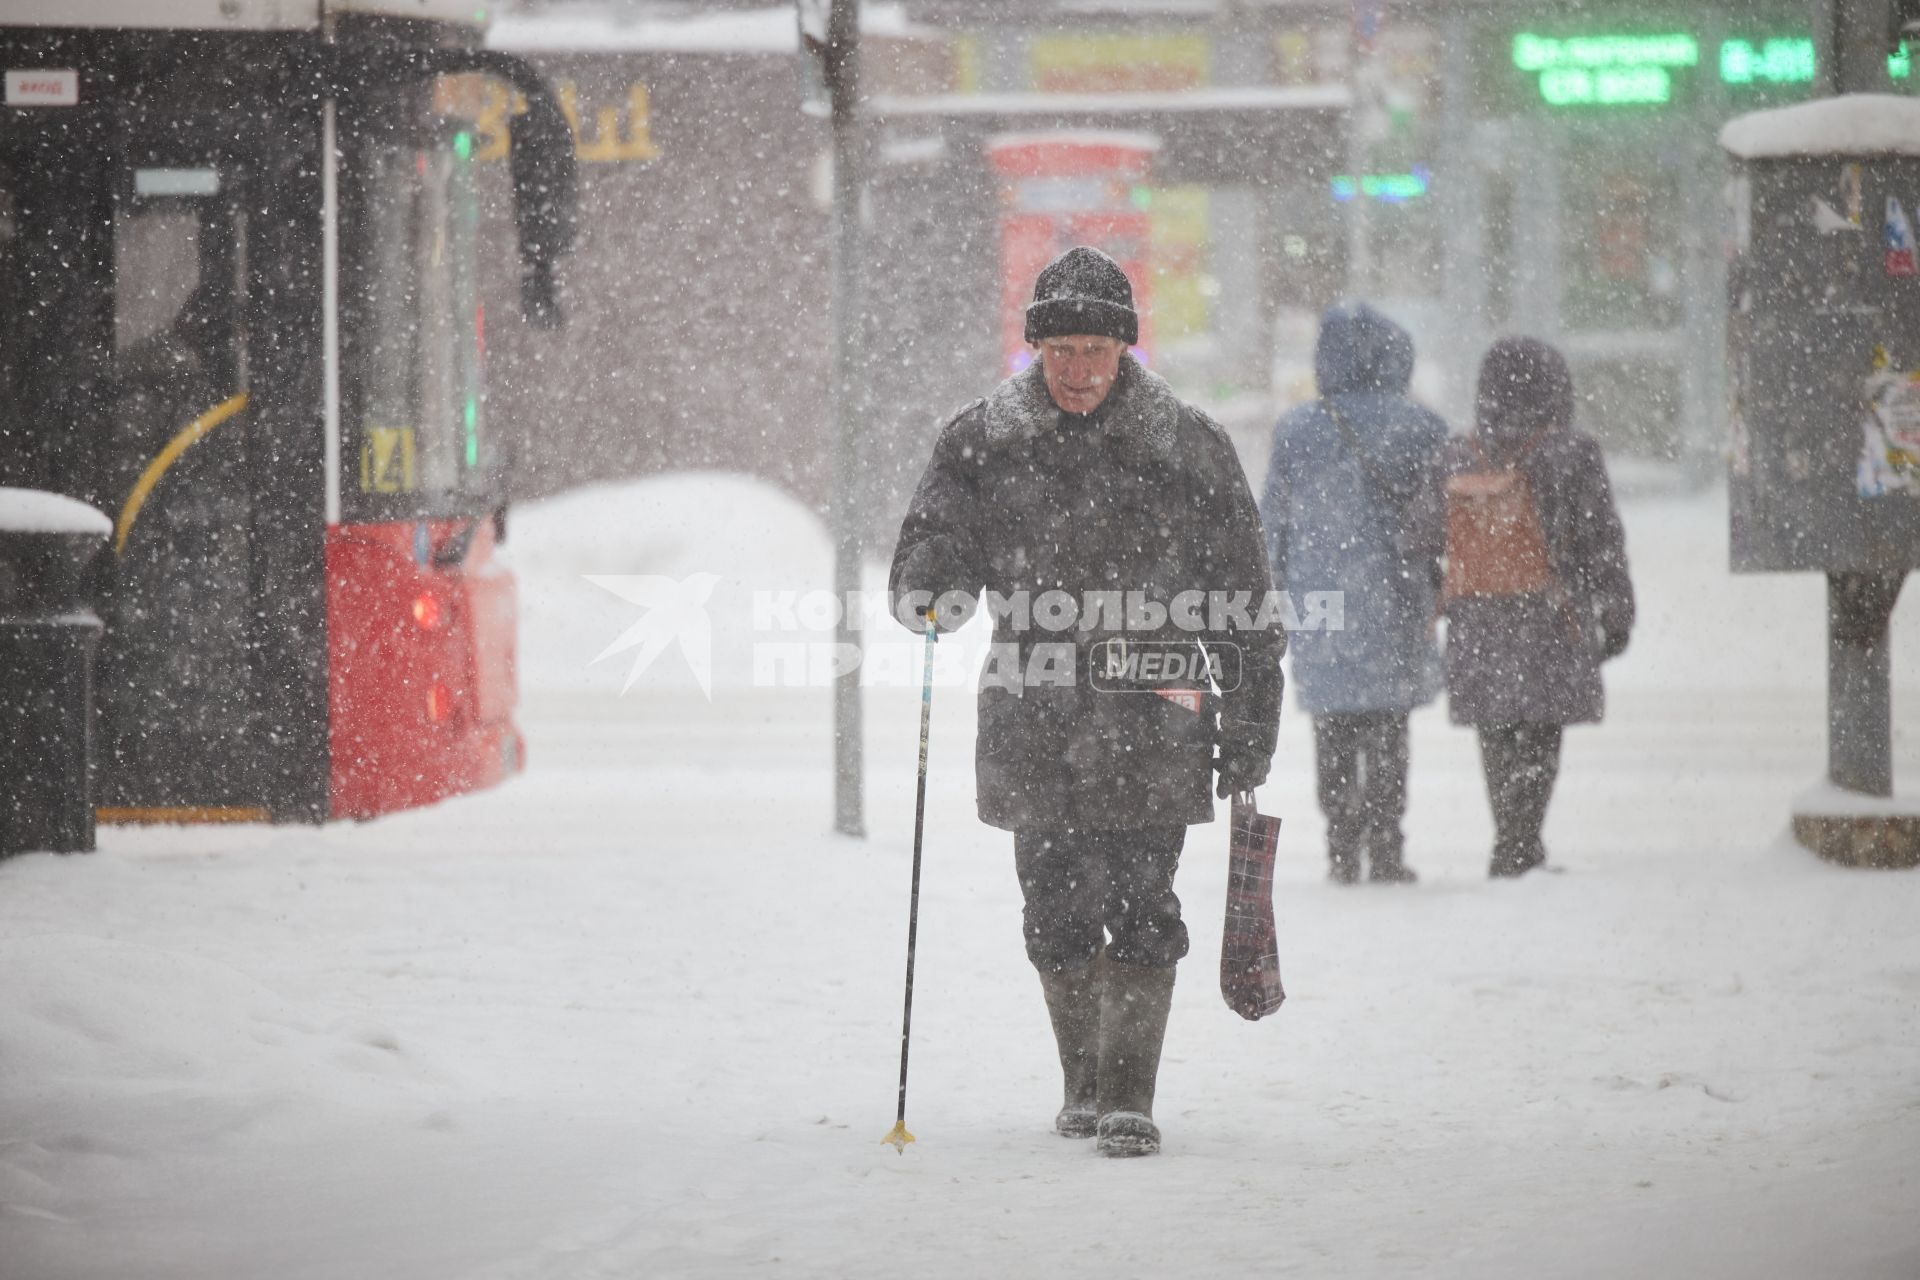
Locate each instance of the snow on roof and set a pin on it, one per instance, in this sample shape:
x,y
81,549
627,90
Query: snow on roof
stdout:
x,y
929,150
36,511
594,28
1042,137
227,15
1301,98
1853,124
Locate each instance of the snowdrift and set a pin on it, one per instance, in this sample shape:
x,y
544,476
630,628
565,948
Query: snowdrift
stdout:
x,y
123,1052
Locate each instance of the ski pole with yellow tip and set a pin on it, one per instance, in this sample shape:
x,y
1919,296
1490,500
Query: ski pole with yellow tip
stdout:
x,y
898,1135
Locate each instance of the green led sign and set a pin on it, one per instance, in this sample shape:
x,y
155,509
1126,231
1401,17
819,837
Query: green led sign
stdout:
x,y
1549,53
1647,70
1605,70
1772,62
1607,87
1786,61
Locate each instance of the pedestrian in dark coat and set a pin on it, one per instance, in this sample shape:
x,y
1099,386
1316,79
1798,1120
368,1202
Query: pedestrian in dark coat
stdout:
x,y
1521,667
1350,507
1084,476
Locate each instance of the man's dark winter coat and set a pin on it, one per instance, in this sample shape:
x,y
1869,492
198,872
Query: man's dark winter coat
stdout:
x,y
1145,494
1366,528
1536,658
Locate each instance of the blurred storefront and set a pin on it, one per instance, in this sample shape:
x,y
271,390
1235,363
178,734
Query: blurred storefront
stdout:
x,y
1584,196
1475,167
1576,193
700,283
1513,166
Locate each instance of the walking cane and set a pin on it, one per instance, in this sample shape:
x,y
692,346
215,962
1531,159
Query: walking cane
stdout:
x,y
898,1135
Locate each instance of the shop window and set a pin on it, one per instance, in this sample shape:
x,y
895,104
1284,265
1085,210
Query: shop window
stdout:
x,y
1499,249
1632,407
1621,244
1405,247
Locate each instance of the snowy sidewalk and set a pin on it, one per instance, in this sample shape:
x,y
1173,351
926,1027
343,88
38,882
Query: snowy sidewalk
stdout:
x,y
635,1014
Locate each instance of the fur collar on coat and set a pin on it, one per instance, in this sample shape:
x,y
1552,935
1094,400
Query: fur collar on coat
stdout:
x,y
1141,412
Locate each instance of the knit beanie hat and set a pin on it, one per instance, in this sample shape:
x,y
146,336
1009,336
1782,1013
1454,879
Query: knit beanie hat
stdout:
x,y
1083,291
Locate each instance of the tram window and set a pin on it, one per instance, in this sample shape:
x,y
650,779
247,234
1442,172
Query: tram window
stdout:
x,y
176,182
179,347
417,347
156,267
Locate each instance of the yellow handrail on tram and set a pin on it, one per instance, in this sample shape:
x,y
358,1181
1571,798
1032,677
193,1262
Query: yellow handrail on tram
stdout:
x,y
166,458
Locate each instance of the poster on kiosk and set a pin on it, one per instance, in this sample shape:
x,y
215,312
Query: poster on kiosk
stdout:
x,y
1058,190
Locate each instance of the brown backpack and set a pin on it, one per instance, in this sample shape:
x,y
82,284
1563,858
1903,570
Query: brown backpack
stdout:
x,y
1495,543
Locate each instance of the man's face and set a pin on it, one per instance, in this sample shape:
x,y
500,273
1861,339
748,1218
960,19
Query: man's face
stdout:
x,y
1080,369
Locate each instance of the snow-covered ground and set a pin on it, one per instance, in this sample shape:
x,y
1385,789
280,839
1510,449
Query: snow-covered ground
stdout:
x,y
636,1013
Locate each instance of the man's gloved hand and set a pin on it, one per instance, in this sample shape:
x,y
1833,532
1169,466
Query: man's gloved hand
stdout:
x,y
1612,644
1246,751
932,568
1240,770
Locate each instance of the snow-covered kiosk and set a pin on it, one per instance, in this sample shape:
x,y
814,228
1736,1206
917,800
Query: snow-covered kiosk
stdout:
x,y
1824,412
48,636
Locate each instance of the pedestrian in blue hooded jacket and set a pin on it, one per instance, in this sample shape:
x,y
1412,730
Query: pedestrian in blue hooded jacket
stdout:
x,y
1349,507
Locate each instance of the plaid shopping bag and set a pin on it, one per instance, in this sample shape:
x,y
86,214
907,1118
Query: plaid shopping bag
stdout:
x,y
1249,949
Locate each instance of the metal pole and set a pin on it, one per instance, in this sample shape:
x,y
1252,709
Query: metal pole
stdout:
x,y
1851,46
1359,120
1823,16
842,64
1852,38
1859,681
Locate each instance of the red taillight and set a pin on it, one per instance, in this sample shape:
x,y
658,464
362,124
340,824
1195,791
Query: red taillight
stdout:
x,y
439,701
426,611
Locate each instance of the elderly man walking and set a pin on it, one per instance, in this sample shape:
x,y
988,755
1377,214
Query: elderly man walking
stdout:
x,y
1112,531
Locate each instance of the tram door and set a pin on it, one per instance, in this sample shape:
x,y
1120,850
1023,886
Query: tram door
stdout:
x,y
241,313
176,684
123,363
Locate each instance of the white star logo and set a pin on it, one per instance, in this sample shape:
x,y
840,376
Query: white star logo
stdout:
x,y
676,611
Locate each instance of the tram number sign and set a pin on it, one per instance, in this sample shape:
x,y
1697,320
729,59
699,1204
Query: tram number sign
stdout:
x,y
43,87
386,460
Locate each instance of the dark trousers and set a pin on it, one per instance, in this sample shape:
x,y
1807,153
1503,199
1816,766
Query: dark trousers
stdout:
x,y
1521,762
1362,762
1081,886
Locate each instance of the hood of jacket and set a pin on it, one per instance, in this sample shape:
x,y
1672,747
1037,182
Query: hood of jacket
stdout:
x,y
1361,350
1141,412
1525,388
